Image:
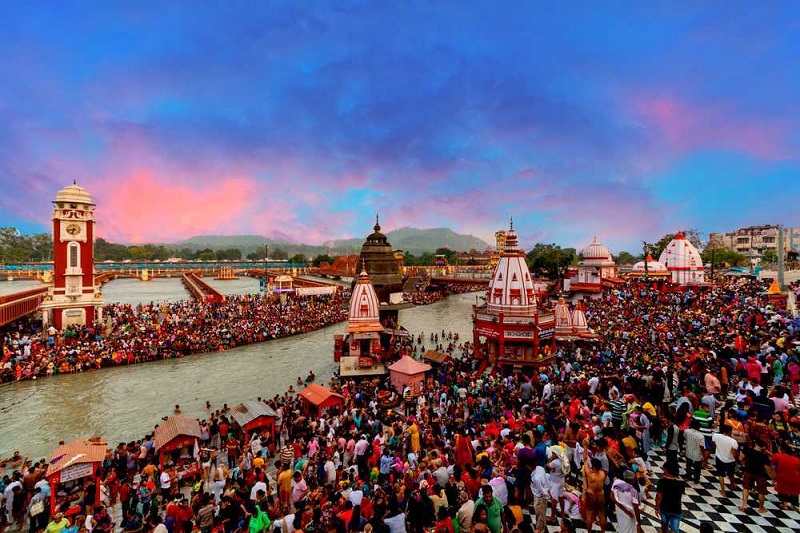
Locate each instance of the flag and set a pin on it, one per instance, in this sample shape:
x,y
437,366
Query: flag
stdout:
x,y
196,450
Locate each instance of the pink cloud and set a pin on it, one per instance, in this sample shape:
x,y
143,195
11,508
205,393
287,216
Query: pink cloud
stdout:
x,y
683,127
146,208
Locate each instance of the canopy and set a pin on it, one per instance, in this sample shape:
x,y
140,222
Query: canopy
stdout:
x,y
436,356
67,458
407,365
252,414
174,427
319,395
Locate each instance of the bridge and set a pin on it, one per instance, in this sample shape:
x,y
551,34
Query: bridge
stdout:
x,y
17,305
200,290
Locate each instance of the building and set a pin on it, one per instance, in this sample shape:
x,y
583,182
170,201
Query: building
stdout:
x,y
385,273
683,261
74,298
359,351
754,241
509,327
596,269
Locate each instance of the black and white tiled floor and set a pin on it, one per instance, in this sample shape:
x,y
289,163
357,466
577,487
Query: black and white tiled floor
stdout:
x,y
702,503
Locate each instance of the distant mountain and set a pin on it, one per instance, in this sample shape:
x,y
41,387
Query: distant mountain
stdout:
x,y
416,240
407,239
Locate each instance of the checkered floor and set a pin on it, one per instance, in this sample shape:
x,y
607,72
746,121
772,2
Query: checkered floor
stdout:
x,y
702,503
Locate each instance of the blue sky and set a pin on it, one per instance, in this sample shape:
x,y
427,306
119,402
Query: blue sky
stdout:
x,y
621,120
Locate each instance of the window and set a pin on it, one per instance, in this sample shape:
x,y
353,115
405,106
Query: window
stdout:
x,y
769,239
73,255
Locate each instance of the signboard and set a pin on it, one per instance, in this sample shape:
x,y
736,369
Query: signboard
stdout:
x,y
484,316
76,472
518,320
487,332
519,334
314,291
546,333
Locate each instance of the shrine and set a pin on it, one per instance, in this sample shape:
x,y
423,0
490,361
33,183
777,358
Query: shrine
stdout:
x,y
74,298
595,270
683,261
359,352
509,328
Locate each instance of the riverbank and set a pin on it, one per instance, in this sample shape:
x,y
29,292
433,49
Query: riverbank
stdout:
x,y
145,333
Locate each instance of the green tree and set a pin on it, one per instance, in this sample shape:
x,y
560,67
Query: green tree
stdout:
x,y
626,258
298,259
723,256
322,258
769,256
206,255
550,259
278,253
231,254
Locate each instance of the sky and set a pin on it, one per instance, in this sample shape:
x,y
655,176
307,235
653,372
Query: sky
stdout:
x,y
301,120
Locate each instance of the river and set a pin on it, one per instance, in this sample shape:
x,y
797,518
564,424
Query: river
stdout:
x,y
124,403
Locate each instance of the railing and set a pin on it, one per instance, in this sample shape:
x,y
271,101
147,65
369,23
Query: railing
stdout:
x,y
200,290
17,305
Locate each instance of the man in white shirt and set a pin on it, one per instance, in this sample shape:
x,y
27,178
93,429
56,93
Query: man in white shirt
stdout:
x,y
726,452
164,485
540,488
464,514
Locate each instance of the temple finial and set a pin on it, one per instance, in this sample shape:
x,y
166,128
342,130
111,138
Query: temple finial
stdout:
x,y
511,224
377,222
74,182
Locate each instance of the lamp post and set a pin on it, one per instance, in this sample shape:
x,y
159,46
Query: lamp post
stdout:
x,y
646,250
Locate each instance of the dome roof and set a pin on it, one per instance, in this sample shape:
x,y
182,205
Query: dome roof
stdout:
x,y
511,287
596,255
74,194
652,266
596,251
579,323
563,317
364,312
683,260
379,260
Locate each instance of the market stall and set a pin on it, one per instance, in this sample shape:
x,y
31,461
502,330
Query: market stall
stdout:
x,y
254,416
70,465
316,399
177,443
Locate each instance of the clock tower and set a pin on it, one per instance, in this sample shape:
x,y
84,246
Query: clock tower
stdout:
x,y
73,299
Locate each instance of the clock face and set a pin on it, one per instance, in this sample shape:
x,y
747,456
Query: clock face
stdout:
x,y
73,229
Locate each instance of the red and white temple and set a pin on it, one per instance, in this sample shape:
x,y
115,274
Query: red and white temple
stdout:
x,y
683,261
509,329
594,271
359,352
73,299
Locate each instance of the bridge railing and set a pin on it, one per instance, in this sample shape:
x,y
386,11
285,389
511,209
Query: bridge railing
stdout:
x,y
17,305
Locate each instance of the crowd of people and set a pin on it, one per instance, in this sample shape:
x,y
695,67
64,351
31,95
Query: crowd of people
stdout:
x,y
139,333
697,381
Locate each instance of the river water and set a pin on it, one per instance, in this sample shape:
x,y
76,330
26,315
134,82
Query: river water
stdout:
x,y
124,403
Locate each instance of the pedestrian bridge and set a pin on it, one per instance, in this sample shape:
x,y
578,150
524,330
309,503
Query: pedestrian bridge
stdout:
x,y
17,305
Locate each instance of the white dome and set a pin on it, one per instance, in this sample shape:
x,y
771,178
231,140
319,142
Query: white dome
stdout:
x,y
596,255
74,194
652,266
683,261
511,287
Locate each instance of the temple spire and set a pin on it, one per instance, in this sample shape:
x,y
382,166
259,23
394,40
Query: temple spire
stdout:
x,y
377,222
511,224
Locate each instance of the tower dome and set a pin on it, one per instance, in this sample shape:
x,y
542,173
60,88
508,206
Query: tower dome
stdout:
x,y
683,261
364,312
579,324
74,194
597,255
378,259
511,287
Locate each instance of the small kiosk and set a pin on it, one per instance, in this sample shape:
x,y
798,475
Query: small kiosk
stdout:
x,y
407,371
70,463
316,399
177,444
251,416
